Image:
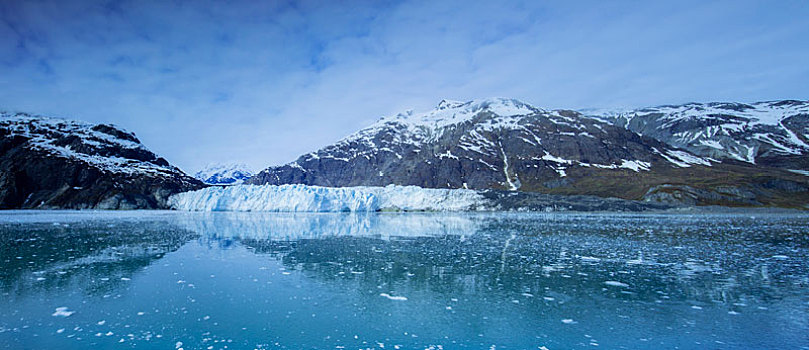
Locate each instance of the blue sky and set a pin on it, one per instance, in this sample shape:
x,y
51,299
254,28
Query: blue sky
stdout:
x,y
262,82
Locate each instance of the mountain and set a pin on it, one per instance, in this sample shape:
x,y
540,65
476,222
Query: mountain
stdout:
x,y
507,144
60,163
224,174
774,133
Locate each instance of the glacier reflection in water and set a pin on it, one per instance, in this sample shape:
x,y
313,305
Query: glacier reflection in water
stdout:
x,y
76,280
294,226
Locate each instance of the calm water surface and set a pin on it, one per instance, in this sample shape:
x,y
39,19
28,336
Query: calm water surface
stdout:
x,y
166,280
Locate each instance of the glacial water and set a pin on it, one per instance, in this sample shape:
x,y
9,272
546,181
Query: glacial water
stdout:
x,y
171,280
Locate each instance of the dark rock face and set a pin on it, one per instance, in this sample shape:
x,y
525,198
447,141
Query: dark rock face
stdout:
x,y
508,145
58,163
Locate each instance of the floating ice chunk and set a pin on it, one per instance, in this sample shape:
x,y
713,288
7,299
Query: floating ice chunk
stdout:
x,y
62,311
391,297
616,284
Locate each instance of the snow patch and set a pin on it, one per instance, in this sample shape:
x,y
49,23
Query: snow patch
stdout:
x,y
682,159
635,165
551,158
712,143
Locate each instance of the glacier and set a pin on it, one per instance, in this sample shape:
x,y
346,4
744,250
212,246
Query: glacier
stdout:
x,y
303,198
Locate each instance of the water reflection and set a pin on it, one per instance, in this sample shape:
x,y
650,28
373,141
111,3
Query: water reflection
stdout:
x,y
95,256
650,258
296,226
461,280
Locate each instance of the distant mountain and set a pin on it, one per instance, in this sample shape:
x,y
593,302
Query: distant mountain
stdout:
x,y
61,163
224,174
510,145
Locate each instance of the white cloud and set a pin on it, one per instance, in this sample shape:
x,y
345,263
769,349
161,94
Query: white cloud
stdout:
x,y
263,82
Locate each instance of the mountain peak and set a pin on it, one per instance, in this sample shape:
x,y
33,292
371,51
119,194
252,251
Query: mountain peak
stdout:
x,y
450,112
224,173
499,105
63,163
447,104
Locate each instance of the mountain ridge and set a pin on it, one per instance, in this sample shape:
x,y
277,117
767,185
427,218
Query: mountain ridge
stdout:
x,y
510,145
49,162
740,131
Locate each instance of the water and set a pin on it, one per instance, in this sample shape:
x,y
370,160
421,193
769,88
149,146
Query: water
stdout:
x,y
166,280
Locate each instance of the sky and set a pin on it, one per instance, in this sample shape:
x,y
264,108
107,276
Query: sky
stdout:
x,y
263,82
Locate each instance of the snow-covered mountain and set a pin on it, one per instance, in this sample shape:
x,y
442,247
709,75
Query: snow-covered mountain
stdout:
x,y
477,144
224,174
510,145
61,163
772,133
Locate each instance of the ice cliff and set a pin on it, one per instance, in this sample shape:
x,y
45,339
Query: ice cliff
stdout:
x,y
303,198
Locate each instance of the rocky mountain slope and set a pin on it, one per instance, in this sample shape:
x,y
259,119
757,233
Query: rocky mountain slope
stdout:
x,y
774,133
224,174
60,163
509,145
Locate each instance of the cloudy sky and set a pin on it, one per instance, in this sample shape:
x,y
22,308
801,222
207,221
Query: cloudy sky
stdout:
x,y
262,82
